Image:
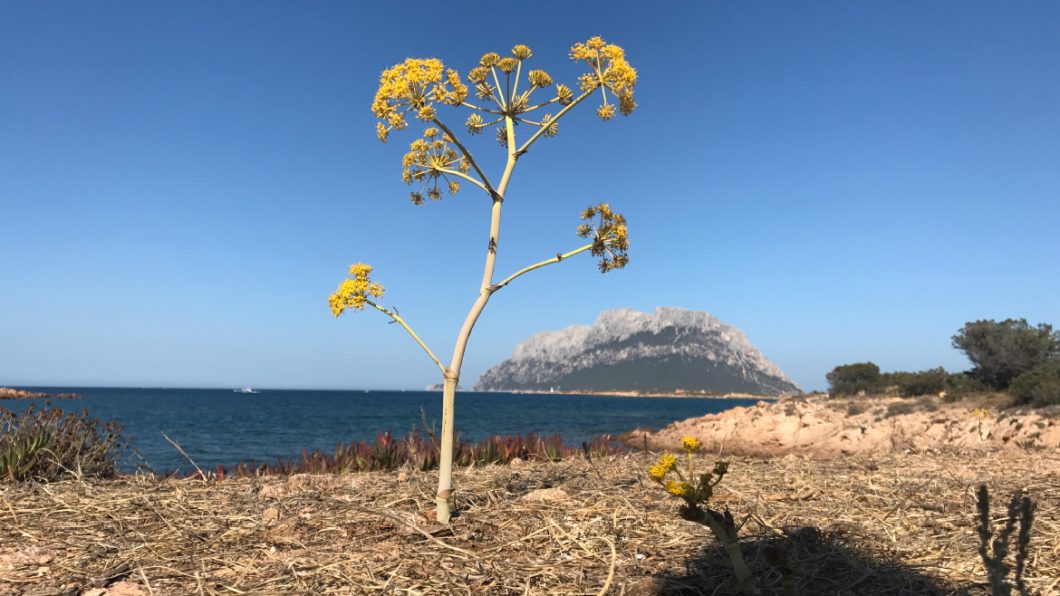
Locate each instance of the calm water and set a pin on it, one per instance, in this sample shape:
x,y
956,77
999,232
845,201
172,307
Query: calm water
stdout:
x,y
219,426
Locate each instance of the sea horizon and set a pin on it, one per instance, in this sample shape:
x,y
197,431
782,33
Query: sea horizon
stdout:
x,y
221,426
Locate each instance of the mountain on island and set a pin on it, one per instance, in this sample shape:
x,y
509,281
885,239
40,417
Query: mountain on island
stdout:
x,y
670,350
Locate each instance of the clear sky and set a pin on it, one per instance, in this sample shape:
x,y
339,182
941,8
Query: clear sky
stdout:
x,y
183,184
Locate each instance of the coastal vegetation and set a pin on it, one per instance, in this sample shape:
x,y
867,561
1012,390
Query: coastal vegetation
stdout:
x,y
415,452
45,444
439,162
1009,356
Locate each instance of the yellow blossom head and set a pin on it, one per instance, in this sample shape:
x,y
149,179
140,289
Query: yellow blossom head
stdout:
x,y
522,52
611,71
691,444
677,489
430,163
657,472
609,234
667,461
355,291
414,85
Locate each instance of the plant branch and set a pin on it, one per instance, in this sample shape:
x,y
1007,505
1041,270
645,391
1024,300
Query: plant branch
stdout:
x,y
546,262
400,321
500,101
541,130
481,109
467,154
460,174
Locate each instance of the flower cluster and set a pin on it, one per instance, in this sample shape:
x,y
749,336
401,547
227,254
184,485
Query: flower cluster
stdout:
x,y
430,160
610,236
687,485
413,86
354,293
611,73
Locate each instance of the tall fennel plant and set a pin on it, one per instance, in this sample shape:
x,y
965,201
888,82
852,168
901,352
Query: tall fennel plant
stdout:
x,y
439,162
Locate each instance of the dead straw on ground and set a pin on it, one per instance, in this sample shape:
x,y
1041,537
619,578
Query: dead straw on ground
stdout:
x,y
895,524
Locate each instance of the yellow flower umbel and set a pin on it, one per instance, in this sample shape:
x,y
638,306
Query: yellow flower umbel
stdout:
x,y
430,159
694,489
611,74
610,236
413,86
354,292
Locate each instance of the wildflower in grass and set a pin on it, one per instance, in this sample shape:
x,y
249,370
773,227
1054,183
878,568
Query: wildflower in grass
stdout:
x,y
503,93
677,489
695,489
667,461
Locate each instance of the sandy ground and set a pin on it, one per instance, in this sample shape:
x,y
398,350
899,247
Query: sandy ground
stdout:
x,y
900,522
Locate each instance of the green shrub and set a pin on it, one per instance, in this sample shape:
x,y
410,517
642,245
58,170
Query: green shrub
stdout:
x,y
961,385
850,379
1038,387
1003,351
900,408
47,444
924,382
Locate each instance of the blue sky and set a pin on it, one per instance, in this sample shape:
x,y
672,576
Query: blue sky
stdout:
x,y
182,185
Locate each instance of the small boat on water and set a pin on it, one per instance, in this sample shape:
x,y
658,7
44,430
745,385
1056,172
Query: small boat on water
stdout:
x,y
244,390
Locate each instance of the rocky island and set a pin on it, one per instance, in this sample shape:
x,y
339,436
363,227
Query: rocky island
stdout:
x,y
672,351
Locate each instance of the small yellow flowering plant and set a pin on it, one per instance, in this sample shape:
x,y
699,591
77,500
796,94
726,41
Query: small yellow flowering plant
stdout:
x,y
502,92
696,490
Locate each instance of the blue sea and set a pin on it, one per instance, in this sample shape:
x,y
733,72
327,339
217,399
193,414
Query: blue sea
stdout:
x,y
220,426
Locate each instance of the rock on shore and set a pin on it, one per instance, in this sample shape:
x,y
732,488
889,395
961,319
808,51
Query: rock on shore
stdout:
x,y
829,428
10,393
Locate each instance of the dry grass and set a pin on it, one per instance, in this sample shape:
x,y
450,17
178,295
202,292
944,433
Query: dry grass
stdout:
x,y
900,524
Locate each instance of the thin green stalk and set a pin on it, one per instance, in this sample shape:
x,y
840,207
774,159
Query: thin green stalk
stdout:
x,y
541,130
460,174
401,321
467,155
528,269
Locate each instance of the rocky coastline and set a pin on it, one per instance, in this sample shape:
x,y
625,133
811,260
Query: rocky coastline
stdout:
x,y
824,428
12,393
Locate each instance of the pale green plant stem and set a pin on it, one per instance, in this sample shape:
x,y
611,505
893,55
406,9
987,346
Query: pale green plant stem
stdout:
x,y
541,130
515,85
467,155
452,374
460,174
541,105
401,321
497,97
480,109
546,262
732,549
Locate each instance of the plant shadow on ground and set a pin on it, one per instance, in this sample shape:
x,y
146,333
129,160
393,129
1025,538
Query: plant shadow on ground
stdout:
x,y
803,561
